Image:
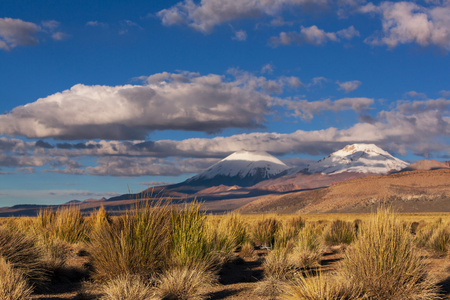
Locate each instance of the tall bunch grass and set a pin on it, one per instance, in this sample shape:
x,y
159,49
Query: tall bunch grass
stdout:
x,y
23,253
13,285
383,262
263,233
67,224
340,232
189,237
138,243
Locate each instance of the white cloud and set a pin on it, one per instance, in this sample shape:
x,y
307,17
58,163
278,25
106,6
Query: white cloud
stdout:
x,y
240,35
267,69
313,35
349,86
306,110
15,32
146,166
184,101
407,22
207,14
97,24
416,95
418,126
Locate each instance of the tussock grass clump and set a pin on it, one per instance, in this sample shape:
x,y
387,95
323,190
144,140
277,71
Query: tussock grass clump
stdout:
x,y
321,287
24,254
247,249
189,241
235,228
297,223
13,285
340,232
383,262
270,287
440,239
184,283
264,231
67,224
100,219
137,244
126,287
278,264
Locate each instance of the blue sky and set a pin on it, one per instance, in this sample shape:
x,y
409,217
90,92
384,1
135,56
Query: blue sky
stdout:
x,y
99,97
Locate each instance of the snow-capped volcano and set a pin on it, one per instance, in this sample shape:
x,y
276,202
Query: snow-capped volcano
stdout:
x,y
359,158
243,168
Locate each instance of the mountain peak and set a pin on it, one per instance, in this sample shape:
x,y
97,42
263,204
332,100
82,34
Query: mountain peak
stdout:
x,y
243,168
359,158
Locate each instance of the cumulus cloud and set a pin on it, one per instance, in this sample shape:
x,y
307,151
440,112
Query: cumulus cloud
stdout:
x,y
207,14
15,32
307,109
146,166
97,24
421,127
408,22
184,101
349,86
313,35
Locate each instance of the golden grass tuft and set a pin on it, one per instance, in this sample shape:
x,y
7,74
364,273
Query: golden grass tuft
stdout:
x,y
340,232
384,263
138,243
184,283
24,254
13,285
264,231
126,287
321,287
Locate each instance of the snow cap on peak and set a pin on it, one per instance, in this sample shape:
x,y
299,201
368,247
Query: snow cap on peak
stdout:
x,y
368,148
359,158
246,155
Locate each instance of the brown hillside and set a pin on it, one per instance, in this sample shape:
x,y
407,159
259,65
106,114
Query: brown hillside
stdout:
x,y
413,191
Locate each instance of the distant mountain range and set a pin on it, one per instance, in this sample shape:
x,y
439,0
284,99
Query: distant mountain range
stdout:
x,y
246,176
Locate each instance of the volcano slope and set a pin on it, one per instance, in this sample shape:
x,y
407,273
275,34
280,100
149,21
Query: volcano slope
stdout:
x,y
413,191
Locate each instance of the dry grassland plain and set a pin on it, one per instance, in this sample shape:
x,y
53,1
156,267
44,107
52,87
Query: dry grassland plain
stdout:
x,y
165,252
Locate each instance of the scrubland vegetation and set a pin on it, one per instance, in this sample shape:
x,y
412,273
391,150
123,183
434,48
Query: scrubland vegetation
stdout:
x,y
161,251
